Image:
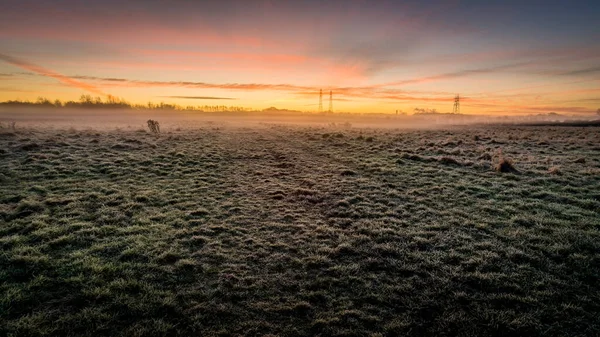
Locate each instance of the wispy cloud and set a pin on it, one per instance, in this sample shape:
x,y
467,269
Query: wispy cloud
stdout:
x,y
196,85
459,74
565,109
200,97
586,100
368,92
108,79
49,73
508,108
9,89
235,56
584,71
372,91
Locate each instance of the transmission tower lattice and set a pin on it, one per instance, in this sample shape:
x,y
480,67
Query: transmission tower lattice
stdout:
x,y
330,101
320,100
456,108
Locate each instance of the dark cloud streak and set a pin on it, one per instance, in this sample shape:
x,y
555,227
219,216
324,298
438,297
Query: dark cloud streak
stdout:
x,y
49,73
585,71
461,73
200,97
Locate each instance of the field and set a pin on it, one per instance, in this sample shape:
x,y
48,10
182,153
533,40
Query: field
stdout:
x,y
219,229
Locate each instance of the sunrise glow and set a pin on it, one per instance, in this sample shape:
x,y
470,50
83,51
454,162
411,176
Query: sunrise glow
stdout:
x,y
376,56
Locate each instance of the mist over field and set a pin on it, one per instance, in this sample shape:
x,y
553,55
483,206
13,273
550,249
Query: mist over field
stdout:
x,y
137,118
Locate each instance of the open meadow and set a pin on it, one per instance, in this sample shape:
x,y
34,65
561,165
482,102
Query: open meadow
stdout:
x,y
298,230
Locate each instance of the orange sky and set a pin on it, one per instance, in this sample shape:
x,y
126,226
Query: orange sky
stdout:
x,y
503,58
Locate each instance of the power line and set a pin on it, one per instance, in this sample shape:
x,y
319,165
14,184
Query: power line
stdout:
x,y
330,101
456,107
320,100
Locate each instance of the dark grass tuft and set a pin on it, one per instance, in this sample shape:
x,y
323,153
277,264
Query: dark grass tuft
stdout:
x,y
199,213
416,157
449,161
505,165
29,147
555,170
122,147
348,173
411,156
8,135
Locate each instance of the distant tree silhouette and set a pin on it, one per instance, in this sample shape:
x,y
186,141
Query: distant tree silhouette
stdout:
x,y
113,102
86,100
421,111
43,101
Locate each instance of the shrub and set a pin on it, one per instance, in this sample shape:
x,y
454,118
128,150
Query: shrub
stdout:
x,y
29,147
154,126
348,173
554,170
449,161
411,156
505,165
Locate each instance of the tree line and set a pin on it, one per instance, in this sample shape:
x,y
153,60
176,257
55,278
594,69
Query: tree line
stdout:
x,y
112,102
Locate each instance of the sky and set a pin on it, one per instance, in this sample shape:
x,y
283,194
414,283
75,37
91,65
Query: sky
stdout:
x,y
502,57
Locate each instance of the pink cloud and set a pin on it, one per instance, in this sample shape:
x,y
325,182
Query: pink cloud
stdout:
x,y
49,73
